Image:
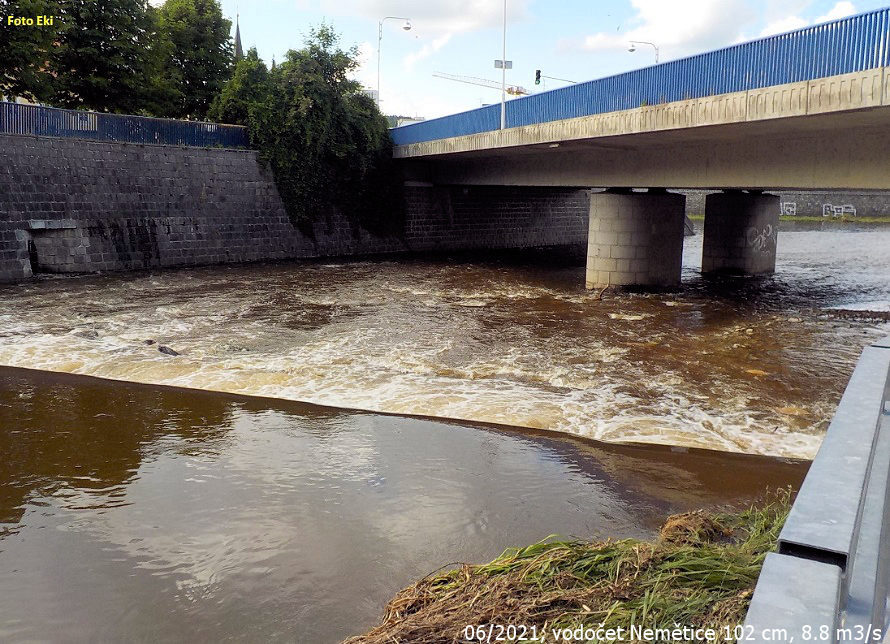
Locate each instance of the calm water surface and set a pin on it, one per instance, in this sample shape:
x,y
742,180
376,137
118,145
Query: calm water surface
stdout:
x,y
139,513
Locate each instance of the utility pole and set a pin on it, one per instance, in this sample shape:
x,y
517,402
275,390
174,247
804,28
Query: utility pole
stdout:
x,y
406,27
504,73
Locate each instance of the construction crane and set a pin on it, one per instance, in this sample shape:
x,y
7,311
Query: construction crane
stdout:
x,y
513,90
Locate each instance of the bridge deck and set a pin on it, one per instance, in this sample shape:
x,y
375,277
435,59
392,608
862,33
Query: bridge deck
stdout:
x,y
795,73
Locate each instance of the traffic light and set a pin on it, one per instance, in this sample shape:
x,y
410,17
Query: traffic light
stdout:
x,y
537,77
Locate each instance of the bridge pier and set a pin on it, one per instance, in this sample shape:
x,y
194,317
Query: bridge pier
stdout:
x,y
635,238
741,230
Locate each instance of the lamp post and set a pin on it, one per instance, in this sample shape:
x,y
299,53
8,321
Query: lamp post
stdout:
x,y
504,73
406,27
633,48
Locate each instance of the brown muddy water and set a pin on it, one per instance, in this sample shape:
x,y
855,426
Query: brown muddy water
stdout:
x,y
144,513
140,513
750,366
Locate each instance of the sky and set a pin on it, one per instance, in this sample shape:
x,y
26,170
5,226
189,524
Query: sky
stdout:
x,y
574,40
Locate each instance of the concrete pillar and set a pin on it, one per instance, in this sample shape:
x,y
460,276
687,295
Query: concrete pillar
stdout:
x,y
740,235
635,238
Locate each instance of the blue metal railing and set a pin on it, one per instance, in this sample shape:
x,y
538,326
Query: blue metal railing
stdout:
x,y
49,121
843,46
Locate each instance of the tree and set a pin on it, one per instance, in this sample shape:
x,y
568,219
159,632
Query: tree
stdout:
x,y
161,92
201,53
104,55
25,50
246,91
326,141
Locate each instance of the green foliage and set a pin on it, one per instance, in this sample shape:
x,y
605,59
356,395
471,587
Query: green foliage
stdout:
x,y
24,51
160,94
246,91
327,143
117,55
200,54
104,55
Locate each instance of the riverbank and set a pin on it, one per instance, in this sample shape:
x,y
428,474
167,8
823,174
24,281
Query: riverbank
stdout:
x,y
843,219
700,574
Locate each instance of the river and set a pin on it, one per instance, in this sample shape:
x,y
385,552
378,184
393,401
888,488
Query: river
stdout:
x,y
145,514
752,366
151,512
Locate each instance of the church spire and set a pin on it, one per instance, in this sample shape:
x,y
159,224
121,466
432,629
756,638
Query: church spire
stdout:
x,y
239,53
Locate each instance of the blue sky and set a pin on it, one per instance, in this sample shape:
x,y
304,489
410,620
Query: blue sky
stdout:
x,y
568,39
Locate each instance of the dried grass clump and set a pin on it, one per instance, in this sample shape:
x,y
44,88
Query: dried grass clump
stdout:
x,y
700,572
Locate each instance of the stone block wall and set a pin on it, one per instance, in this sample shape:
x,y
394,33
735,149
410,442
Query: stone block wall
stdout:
x,y
635,239
70,205
494,217
813,203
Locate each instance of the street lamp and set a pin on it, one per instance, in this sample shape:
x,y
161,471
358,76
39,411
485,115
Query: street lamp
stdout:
x,y
504,73
406,26
633,48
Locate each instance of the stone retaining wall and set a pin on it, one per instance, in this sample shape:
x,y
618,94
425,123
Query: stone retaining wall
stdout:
x,y
82,206
816,203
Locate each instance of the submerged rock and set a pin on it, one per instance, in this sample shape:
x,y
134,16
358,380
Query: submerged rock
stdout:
x,y
167,350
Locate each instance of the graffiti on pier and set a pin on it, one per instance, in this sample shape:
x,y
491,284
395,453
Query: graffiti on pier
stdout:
x,y
788,208
829,210
763,240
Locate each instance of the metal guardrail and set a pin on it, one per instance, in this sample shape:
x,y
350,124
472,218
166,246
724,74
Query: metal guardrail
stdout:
x,y
37,120
829,580
848,45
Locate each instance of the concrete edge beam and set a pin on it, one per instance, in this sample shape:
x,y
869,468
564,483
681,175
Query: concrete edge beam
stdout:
x,y
840,93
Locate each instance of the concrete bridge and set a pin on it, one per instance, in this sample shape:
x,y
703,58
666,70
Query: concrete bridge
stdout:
x,y
809,109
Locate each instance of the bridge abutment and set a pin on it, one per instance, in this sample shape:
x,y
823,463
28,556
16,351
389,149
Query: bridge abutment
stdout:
x,y
635,239
740,232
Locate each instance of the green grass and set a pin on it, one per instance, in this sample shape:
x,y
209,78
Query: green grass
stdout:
x,y
846,219
701,572
858,219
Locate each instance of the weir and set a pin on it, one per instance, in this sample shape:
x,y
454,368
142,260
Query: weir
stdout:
x,y
425,409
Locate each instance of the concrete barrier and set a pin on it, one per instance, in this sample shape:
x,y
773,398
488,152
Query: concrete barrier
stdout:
x,y
829,580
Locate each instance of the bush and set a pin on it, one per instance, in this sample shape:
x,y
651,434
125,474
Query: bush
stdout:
x,y
326,142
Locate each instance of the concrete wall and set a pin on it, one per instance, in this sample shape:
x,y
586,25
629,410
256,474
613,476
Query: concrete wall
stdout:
x,y
635,239
817,203
741,232
786,106
480,217
79,206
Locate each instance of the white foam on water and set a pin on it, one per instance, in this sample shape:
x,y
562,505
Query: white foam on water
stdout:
x,y
446,342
